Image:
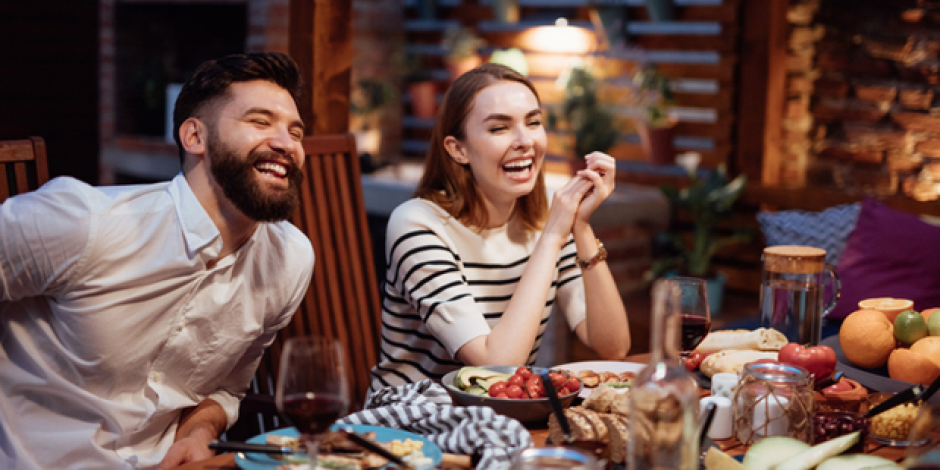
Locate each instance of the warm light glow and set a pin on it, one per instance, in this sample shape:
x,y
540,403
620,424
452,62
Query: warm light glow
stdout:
x,y
559,39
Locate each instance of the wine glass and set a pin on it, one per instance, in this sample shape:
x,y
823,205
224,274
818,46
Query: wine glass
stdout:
x,y
312,387
923,448
688,297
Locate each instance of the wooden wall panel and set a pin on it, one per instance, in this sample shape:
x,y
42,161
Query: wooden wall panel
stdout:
x,y
698,49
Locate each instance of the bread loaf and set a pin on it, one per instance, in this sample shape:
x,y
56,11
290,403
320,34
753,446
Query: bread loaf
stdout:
x,y
733,360
761,339
619,433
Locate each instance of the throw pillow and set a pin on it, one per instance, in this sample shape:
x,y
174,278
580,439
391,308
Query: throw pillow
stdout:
x,y
889,254
828,229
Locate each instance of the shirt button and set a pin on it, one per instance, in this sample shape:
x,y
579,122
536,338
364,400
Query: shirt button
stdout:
x,y
181,326
156,376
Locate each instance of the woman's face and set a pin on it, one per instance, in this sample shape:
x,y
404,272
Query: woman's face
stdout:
x,y
505,142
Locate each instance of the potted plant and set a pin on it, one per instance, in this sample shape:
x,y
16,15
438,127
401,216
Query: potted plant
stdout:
x,y
592,122
705,202
652,97
368,101
462,46
422,89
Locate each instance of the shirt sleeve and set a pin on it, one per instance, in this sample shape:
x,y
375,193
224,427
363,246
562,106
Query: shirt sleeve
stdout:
x,y
426,273
43,237
569,292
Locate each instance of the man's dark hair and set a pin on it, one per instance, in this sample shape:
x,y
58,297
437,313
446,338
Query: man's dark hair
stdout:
x,y
212,79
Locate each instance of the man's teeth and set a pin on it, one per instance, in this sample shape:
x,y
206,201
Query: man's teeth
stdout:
x,y
276,168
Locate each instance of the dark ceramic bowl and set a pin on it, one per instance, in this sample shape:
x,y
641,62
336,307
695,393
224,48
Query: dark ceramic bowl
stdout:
x,y
526,410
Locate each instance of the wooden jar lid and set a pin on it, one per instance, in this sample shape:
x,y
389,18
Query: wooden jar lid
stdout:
x,y
794,259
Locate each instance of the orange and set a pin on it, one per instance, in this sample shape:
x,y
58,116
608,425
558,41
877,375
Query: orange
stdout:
x,y
867,338
930,347
886,305
928,312
914,367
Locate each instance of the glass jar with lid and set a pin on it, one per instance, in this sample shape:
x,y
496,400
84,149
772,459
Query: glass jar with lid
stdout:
x,y
773,399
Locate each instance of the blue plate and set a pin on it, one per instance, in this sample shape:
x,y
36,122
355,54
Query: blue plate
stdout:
x,y
255,461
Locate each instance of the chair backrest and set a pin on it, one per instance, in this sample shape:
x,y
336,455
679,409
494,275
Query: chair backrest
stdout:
x,y
343,298
22,166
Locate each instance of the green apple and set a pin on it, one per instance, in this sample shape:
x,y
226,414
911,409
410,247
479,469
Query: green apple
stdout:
x,y
909,327
933,324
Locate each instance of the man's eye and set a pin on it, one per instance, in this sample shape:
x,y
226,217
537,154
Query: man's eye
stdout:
x,y
298,136
535,123
260,122
497,129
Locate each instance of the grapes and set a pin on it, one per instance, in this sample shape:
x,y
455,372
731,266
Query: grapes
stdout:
x,y
830,425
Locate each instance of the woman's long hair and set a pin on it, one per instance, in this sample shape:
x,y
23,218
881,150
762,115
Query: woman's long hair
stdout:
x,y
450,184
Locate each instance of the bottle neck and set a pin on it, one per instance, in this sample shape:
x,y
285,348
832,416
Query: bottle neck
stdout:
x,y
666,345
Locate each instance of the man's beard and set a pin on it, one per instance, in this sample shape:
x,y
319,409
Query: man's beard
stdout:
x,y
239,183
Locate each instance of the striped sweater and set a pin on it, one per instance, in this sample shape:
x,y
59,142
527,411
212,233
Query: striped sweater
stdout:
x,y
447,284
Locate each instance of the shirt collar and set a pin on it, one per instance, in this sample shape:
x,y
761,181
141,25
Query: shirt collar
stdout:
x,y
198,229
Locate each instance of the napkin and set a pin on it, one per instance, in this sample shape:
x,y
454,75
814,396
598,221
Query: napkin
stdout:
x,y
425,408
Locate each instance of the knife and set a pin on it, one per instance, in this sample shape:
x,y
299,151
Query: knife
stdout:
x,y
373,446
930,390
256,448
899,398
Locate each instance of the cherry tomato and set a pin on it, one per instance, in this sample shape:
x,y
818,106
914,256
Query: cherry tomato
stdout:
x,y
517,380
573,383
558,379
497,388
514,391
689,364
501,395
524,372
534,387
564,391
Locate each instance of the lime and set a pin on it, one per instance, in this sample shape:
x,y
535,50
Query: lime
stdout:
x,y
909,327
933,325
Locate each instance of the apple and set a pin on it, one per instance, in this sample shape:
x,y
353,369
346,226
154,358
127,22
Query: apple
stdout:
x,y
820,361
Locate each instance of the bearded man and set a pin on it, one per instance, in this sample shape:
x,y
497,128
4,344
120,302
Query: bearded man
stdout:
x,y
132,318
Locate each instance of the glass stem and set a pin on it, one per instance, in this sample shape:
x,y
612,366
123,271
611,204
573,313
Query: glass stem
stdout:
x,y
313,449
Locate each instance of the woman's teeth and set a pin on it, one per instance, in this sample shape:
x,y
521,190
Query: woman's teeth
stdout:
x,y
518,167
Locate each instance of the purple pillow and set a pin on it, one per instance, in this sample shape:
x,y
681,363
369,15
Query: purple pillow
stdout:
x,y
889,254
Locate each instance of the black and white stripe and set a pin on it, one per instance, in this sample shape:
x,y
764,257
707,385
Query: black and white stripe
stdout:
x,y
442,273
425,408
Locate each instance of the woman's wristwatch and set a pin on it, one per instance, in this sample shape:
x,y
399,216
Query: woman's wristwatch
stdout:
x,y
601,255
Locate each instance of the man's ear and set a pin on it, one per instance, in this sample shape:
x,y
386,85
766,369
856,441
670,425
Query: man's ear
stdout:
x,y
456,150
193,136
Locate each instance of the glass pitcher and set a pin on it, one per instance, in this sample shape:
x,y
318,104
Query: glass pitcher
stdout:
x,y
792,291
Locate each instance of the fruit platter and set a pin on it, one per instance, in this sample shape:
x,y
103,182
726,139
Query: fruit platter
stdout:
x,y
888,351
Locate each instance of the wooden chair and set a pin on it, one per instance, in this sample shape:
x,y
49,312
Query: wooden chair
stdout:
x,y
22,166
343,298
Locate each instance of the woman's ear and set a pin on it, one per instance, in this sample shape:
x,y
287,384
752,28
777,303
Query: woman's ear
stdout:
x,y
193,137
456,150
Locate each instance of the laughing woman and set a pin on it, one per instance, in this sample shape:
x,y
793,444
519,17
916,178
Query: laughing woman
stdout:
x,y
477,261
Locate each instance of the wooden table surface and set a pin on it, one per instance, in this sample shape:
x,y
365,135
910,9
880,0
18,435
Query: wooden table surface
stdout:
x,y
732,446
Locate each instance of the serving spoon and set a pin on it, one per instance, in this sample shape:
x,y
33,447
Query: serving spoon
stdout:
x,y
594,446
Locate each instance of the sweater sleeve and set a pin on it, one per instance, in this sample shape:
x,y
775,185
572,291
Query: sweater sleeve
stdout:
x,y
425,272
570,285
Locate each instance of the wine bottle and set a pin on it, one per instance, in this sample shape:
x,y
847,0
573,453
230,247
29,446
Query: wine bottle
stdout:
x,y
663,400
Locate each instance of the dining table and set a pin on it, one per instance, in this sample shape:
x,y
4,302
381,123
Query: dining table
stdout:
x,y
733,447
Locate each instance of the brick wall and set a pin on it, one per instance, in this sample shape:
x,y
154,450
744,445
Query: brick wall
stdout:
x,y
155,159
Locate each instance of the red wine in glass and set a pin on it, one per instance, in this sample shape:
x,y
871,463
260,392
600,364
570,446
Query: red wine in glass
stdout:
x,y
694,330
312,414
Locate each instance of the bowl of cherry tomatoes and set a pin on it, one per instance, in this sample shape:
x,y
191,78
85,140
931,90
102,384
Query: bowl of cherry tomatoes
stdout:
x,y
513,391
